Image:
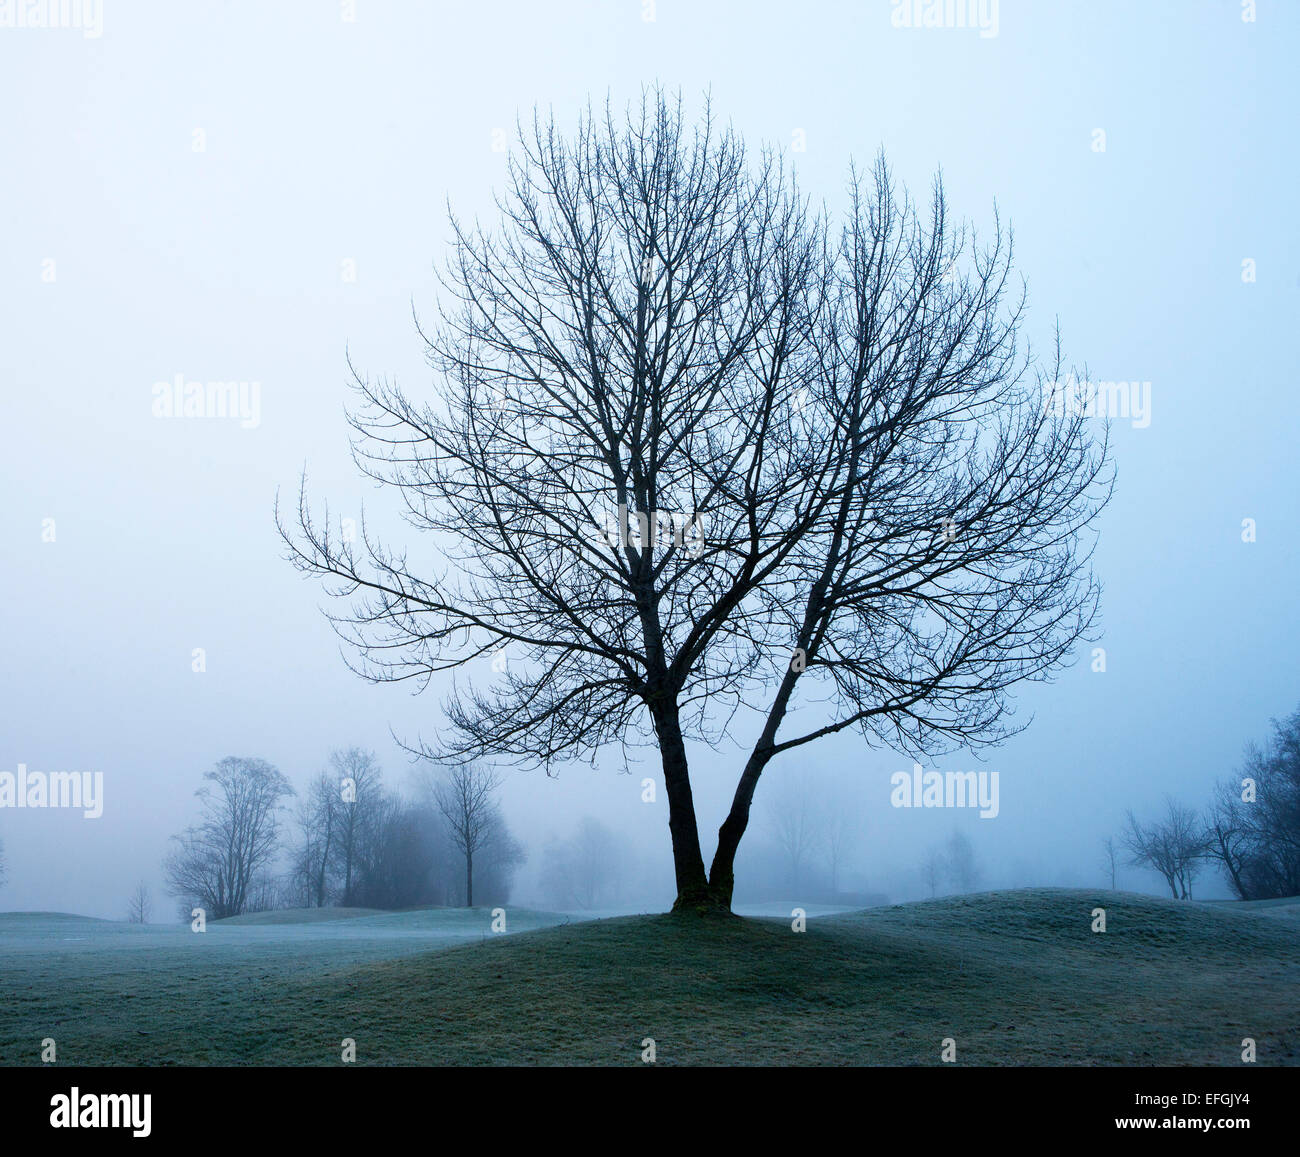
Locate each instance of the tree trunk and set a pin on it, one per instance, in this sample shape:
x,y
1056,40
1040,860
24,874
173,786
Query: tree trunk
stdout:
x,y
722,874
1225,854
320,878
469,879
693,893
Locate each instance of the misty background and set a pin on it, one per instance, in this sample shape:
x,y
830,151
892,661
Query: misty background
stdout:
x,y
248,192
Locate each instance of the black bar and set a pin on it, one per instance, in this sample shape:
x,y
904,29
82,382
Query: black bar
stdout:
x,y
342,1104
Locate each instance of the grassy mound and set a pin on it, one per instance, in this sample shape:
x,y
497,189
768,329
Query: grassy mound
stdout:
x,y
1015,978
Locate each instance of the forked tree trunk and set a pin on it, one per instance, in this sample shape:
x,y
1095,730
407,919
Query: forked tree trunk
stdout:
x,y
695,891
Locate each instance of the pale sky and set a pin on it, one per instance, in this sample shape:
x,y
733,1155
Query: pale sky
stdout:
x,y
182,193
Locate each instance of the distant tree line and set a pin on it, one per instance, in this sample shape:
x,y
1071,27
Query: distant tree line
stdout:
x,y
1250,830
349,841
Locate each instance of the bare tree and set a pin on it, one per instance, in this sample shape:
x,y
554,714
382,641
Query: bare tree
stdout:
x,y
1173,846
934,869
840,832
318,820
465,799
358,781
215,864
266,892
1111,851
140,906
1253,826
699,453
795,828
405,865
585,870
1228,835
496,861
959,862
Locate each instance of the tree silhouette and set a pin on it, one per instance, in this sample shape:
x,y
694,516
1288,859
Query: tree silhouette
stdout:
x,y
693,454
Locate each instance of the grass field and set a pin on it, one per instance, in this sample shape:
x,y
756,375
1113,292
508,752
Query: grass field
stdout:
x,y
1015,978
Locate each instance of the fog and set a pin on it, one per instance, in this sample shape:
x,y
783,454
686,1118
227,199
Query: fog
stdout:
x,y
255,193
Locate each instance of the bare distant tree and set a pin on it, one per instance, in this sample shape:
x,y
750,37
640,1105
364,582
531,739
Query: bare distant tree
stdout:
x,y
140,907
1174,846
934,869
1111,850
1253,827
318,821
1228,830
407,864
697,452
794,825
266,893
959,862
358,780
465,799
496,861
214,865
840,832
584,870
